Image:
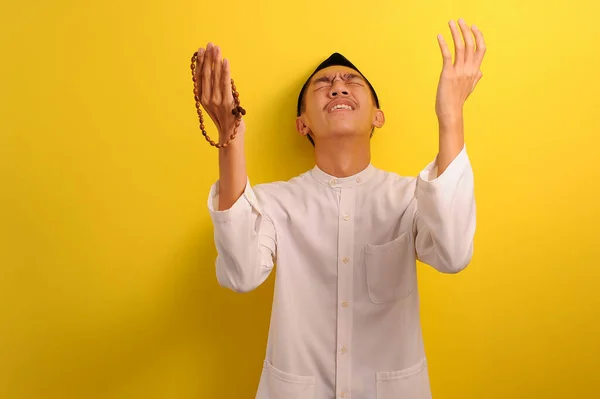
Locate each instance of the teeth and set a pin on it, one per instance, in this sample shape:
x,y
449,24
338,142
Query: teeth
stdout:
x,y
341,106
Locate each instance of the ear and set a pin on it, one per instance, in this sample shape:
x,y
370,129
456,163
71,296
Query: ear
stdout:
x,y
302,127
378,119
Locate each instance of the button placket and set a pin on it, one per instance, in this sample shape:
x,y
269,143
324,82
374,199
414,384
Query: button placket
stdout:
x,y
345,290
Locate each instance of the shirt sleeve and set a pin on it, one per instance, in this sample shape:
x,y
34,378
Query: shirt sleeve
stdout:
x,y
245,240
445,215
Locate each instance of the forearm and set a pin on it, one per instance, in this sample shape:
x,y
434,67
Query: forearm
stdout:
x,y
244,252
451,141
446,215
232,172
245,240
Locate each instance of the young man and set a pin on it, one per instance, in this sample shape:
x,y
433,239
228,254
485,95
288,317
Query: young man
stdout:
x,y
345,235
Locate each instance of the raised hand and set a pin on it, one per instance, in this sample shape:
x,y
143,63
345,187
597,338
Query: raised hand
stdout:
x,y
458,79
215,91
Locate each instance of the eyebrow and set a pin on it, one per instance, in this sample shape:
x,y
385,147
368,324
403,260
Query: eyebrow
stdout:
x,y
346,76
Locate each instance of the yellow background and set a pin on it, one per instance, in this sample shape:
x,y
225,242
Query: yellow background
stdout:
x,y
107,282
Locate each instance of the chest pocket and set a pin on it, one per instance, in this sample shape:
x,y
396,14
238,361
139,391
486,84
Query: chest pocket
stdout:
x,y
390,270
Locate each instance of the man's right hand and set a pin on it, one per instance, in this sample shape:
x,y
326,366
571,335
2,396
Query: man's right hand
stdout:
x,y
214,90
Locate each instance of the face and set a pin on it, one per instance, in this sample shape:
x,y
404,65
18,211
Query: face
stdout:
x,y
338,102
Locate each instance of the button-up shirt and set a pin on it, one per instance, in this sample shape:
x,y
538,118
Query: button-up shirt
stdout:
x,y
345,318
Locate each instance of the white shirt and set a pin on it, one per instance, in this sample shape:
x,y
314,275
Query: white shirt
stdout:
x,y
345,318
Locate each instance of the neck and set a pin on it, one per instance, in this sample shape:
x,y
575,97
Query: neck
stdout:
x,y
343,156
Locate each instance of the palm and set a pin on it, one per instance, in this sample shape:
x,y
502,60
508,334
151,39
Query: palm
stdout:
x,y
215,90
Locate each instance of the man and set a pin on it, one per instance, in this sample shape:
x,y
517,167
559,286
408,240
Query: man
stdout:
x,y
345,235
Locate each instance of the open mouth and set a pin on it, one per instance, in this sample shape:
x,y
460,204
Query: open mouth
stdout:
x,y
341,107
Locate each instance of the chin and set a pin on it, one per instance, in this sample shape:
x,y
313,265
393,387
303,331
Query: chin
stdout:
x,y
344,128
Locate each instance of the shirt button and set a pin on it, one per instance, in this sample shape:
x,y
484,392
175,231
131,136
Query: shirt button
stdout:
x,y
332,182
342,394
358,180
345,304
346,217
343,350
345,260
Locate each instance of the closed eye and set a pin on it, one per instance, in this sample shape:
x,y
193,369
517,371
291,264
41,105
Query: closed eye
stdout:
x,y
321,82
326,81
322,79
353,79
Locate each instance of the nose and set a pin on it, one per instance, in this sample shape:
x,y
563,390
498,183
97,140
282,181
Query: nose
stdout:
x,y
338,88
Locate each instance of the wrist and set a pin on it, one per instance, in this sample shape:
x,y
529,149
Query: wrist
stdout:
x,y
235,146
225,134
450,119
450,124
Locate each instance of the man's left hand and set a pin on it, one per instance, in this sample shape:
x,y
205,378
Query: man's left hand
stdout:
x,y
458,79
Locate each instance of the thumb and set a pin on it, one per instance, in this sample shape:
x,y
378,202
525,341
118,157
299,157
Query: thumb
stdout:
x,y
477,79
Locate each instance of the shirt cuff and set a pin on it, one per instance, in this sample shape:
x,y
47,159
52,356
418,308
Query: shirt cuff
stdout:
x,y
429,177
243,205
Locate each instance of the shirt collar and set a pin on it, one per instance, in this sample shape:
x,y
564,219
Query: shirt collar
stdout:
x,y
343,182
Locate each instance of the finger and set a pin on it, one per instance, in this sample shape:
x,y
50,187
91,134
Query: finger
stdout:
x,y
216,83
459,46
446,54
469,42
226,83
481,47
198,71
207,74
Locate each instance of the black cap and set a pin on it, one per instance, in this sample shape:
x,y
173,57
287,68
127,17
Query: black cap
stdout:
x,y
334,59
